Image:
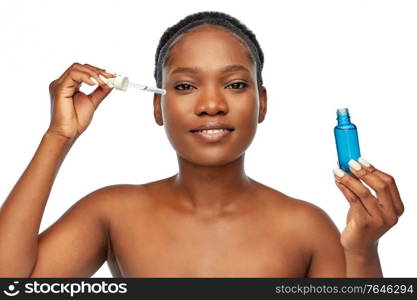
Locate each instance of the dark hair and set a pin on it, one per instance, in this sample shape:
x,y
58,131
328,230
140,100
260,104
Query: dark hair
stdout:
x,y
213,18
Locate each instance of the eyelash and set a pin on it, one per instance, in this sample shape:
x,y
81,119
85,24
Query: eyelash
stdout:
x,y
240,83
182,85
245,85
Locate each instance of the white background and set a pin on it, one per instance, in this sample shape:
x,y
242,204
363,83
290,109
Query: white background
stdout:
x,y
319,56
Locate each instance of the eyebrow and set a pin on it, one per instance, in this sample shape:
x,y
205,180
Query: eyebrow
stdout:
x,y
227,69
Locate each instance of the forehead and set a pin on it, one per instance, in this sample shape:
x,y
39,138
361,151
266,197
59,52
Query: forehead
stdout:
x,y
208,46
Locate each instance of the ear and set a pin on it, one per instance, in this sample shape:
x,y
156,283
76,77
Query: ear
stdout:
x,y
263,99
157,112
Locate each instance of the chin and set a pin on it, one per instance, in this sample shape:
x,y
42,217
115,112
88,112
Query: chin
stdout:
x,y
211,158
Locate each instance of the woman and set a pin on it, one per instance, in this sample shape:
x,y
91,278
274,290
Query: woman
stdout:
x,y
210,219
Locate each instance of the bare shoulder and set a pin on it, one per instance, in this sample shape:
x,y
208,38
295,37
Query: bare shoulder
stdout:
x,y
303,212
310,217
120,200
312,229
76,244
113,194
305,219
110,199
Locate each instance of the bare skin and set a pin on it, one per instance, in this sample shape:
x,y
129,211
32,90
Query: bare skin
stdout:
x,y
250,239
210,219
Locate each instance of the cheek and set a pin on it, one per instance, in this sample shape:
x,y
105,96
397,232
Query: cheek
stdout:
x,y
173,109
247,114
244,115
172,112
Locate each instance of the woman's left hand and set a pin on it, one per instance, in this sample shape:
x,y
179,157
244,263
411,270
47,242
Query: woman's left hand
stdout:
x,y
369,216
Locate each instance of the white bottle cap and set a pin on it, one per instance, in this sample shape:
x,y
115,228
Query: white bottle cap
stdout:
x,y
119,82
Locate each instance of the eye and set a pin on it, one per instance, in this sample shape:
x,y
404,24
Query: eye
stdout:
x,y
183,86
237,85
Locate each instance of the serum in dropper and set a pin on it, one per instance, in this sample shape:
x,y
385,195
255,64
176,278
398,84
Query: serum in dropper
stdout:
x,y
347,141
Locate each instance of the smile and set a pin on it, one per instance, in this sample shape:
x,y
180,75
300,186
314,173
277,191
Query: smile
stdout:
x,y
212,135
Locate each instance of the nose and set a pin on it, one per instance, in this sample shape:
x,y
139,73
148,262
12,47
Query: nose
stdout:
x,y
211,102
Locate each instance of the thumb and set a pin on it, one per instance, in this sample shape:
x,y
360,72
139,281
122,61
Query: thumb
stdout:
x,y
99,94
357,212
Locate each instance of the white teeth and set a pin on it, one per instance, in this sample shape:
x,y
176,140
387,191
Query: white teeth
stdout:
x,y
212,131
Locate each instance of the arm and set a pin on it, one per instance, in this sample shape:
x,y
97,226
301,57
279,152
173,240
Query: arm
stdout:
x,y
22,211
323,239
75,245
329,258
364,264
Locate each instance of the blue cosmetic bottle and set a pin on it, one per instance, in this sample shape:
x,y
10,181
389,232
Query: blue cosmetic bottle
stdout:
x,y
347,142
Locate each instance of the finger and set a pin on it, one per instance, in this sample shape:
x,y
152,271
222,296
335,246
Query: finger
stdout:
x,y
107,75
105,79
350,196
72,81
80,67
398,204
98,95
357,215
64,75
384,197
364,194
101,71
388,179
93,73
97,69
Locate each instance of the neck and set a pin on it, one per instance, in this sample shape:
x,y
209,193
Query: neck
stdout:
x,y
211,189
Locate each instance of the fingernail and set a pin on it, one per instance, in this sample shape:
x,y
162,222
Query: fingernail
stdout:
x,y
354,164
104,79
94,80
110,72
364,162
338,172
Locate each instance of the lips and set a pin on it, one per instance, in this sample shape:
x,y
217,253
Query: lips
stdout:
x,y
212,132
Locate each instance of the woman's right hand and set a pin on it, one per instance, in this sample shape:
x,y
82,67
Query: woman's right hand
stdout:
x,y
72,110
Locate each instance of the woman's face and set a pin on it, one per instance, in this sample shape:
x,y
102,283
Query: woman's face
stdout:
x,y
212,105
